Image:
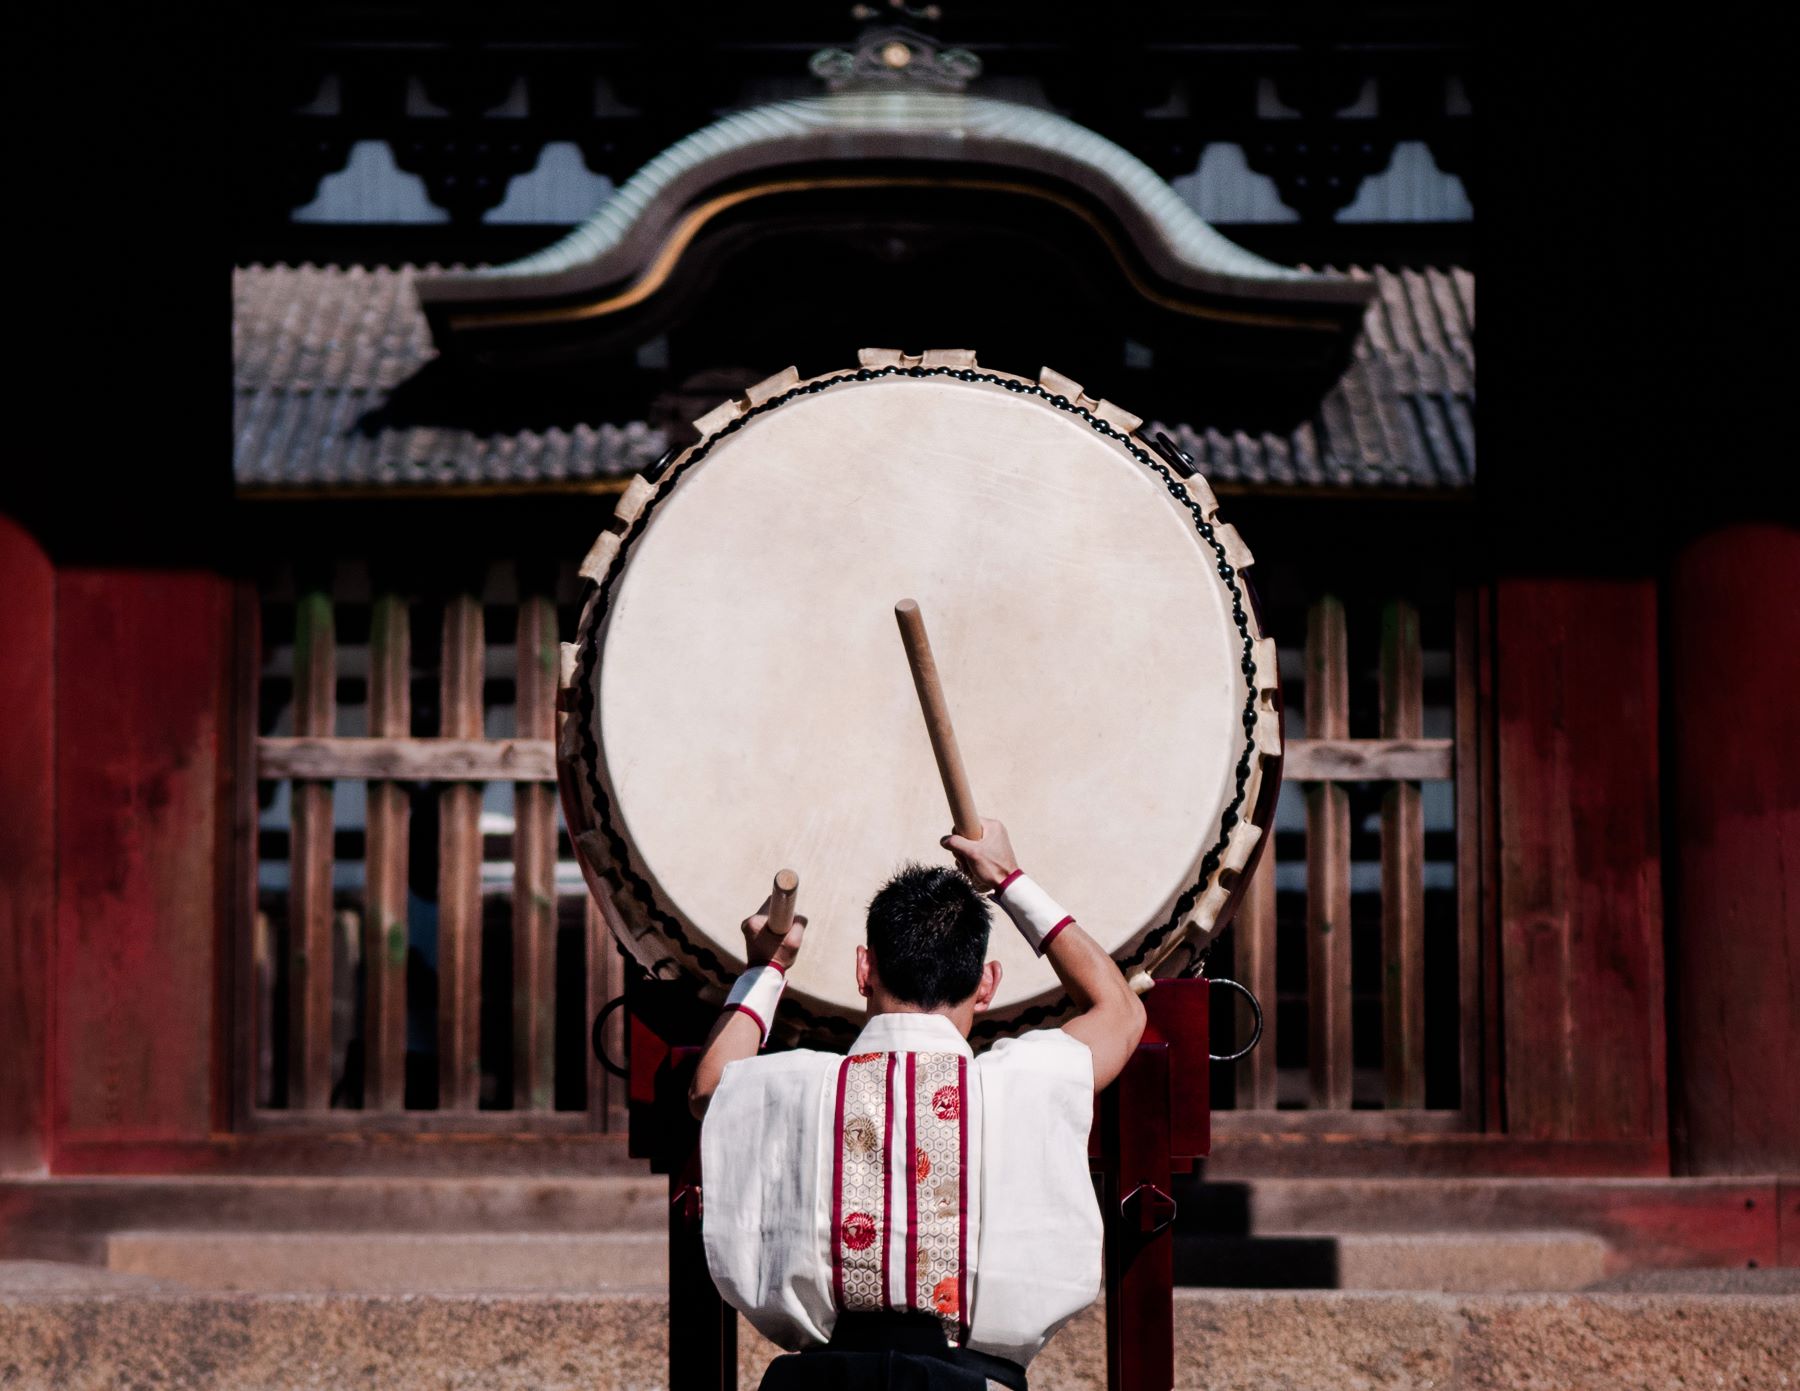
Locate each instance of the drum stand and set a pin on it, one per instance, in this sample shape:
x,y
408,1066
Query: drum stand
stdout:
x,y
1151,1124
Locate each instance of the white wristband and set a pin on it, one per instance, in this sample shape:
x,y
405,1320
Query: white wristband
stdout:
x,y
757,992
1037,916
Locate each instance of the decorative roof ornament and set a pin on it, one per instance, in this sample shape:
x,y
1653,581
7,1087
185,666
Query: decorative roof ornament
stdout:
x,y
891,54
895,143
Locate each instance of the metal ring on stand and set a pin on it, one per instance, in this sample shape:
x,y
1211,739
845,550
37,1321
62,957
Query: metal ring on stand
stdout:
x,y
599,1038
1255,1007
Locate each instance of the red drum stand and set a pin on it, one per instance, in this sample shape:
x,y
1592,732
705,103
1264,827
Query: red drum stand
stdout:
x,y
1152,1124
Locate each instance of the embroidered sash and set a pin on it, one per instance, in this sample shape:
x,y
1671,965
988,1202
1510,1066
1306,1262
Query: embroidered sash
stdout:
x,y
900,1186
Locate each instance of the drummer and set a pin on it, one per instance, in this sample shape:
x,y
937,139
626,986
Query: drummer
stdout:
x,y
910,1214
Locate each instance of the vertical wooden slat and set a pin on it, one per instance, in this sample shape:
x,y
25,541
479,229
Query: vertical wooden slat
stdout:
x,y
534,870
384,884
459,865
1328,865
346,958
1402,868
1255,929
262,978
1469,824
309,864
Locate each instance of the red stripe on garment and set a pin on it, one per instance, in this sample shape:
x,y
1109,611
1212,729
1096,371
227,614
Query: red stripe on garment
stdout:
x,y
777,965
1004,882
837,1190
887,1188
912,1183
962,1200
761,1027
1050,936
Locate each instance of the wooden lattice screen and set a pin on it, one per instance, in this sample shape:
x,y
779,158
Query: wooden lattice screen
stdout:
x,y
1353,813
425,954
379,988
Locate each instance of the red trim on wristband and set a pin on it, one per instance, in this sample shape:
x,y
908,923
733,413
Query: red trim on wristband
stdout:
x,y
776,964
1050,936
1004,882
761,1027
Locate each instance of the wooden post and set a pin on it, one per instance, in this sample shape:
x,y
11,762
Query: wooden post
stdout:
x,y
1140,1236
247,1067
309,863
702,1326
1402,868
459,865
534,870
385,870
1255,968
1328,865
1471,816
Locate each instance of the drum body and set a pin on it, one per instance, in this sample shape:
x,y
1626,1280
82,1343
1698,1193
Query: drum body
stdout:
x,y
739,701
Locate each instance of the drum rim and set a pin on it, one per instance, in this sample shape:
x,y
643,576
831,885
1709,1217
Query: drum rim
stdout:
x,y
1252,801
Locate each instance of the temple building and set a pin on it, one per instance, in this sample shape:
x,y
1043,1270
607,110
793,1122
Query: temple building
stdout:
x,y
288,898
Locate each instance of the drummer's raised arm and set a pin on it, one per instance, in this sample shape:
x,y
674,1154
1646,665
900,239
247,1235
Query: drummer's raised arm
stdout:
x,y
772,937
1112,1017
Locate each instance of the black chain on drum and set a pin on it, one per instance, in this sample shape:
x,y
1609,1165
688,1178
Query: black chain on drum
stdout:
x,y
702,956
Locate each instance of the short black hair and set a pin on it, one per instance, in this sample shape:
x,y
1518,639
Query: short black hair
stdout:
x,y
928,933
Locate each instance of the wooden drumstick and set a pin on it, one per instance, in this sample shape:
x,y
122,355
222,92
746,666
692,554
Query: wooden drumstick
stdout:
x,y
781,904
937,720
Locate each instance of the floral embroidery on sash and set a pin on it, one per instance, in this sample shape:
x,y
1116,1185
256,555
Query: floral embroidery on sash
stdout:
x,y
860,1239
922,1152
938,1209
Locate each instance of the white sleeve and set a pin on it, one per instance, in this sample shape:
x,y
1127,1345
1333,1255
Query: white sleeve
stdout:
x,y
763,1209
1041,1231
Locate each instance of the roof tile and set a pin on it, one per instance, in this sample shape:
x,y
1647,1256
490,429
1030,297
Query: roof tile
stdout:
x,y
320,351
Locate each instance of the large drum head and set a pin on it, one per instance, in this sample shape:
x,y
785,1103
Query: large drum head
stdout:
x,y
743,703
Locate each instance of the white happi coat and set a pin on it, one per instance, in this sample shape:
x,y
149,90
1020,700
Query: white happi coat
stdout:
x,y
909,1174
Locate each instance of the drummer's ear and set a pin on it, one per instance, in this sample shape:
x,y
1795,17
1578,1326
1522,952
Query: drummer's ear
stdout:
x,y
990,982
862,970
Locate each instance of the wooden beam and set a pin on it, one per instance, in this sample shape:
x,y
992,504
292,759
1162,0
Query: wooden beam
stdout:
x,y
1329,1060
1255,969
449,759
309,862
1268,1121
534,869
385,869
341,1143
1402,868
424,1123
1369,760
472,758
463,667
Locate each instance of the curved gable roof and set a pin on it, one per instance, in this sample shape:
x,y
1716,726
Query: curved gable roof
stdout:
x,y
618,243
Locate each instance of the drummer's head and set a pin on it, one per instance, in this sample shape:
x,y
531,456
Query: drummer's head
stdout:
x,y
928,938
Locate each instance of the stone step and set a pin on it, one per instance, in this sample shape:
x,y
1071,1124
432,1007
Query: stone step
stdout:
x,y
70,1218
1465,1262
598,1261
397,1262
1224,1341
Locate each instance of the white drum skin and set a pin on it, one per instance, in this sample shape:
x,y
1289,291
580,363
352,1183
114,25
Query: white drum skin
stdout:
x,y
743,700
